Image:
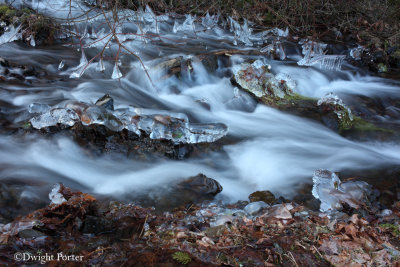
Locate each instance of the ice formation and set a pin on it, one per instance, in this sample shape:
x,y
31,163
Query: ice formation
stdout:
x,y
314,53
257,79
55,196
116,72
209,21
241,32
340,109
11,34
356,52
333,193
80,69
187,25
163,125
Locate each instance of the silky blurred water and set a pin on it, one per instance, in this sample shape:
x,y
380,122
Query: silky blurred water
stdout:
x,y
273,150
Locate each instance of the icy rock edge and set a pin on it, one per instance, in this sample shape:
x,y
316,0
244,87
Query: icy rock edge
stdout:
x,y
164,125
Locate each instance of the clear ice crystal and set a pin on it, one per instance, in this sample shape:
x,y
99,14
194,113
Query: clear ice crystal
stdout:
x,y
275,47
116,72
356,52
148,15
164,125
101,39
53,117
255,207
241,32
80,69
38,108
291,84
314,53
209,22
333,193
11,34
32,41
61,65
187,25
55,196
334,99
100,66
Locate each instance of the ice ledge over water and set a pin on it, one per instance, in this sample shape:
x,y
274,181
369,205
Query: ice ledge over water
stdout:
x,y
164,125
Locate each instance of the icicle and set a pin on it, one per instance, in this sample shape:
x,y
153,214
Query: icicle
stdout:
x,y
209,21
100,66
314,53
116,72
176,26
187,25
32,41
80,69
148,15
61,65
11,34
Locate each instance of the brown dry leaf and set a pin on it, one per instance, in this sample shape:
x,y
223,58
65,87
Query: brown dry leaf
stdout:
x,y
329,247
264,241
338,260
351,230
381,258
360,258
4,238
354,219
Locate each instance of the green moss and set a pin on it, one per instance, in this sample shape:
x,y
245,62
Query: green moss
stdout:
x,y
360,124
396,54
298,97
3,9
181,257
11,13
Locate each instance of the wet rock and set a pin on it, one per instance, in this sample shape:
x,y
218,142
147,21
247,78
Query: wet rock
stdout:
x,y
222,220
94,224
200,184
280,211
30,233
106,101
216,231
4,62
265,196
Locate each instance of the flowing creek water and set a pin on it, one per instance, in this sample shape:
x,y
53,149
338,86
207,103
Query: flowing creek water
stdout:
x,y
265,148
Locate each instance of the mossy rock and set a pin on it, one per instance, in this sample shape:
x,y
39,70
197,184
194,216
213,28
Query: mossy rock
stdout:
x,y
265,196
40,27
